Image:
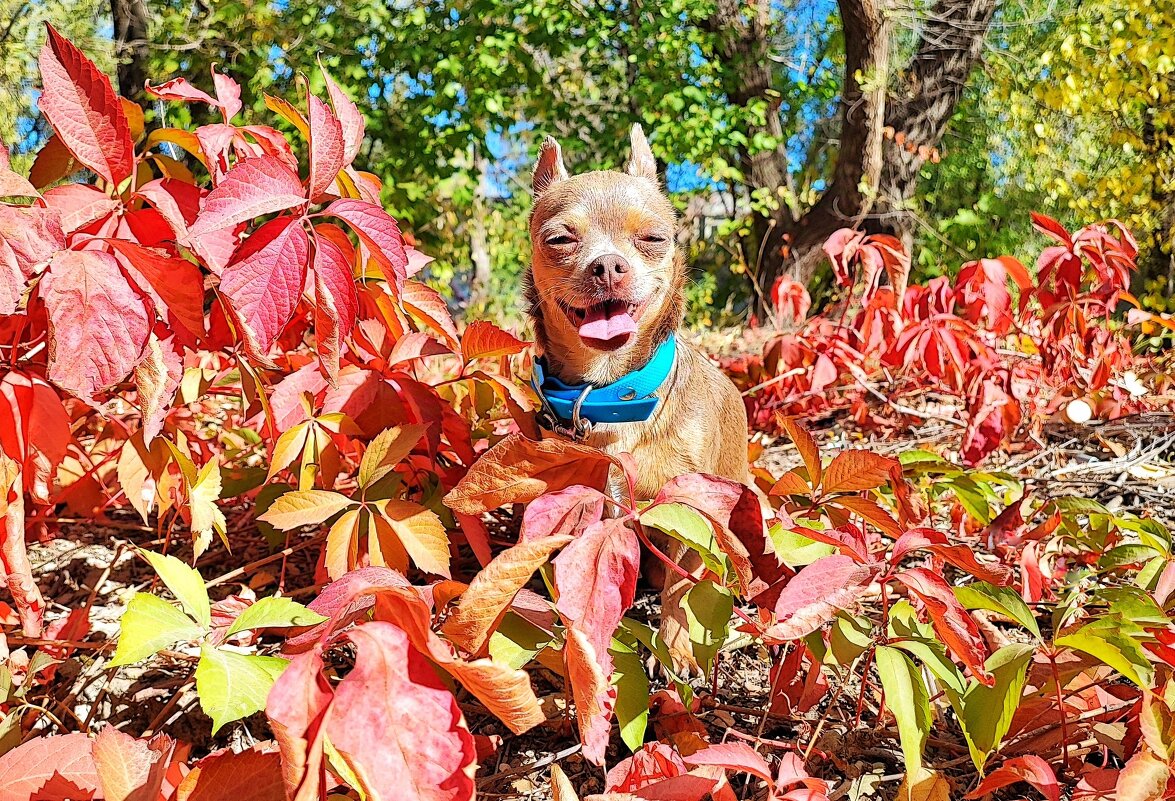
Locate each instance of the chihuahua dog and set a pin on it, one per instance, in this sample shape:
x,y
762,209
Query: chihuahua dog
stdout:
x,y
605,293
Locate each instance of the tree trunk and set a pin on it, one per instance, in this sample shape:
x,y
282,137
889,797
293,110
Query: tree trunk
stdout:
x,y
922,105
130,46
857,174
479,248
874,178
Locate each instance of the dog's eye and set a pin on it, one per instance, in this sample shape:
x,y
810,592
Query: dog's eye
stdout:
x,y
653,239
560,240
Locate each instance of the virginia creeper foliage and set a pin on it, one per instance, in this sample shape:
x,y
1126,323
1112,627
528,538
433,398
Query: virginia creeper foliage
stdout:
x,y
223,327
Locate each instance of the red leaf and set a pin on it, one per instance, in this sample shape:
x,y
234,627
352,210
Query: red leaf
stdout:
x,y
653,763
379,233
350,118
733,756
854,471
426,304
814,595
595,576
83,109
1050,227
960,556
28,768
130,769
79,205
414,346
504,691
297,707
34,430
265,278
957,629
592,691
736,511
397,726
28,239
182,90
566,511
176,284
98,321
228,94
254,774
1030,768
336,303
345,601
326,147
256,186
484,340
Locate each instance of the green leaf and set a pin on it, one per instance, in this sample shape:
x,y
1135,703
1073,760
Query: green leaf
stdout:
x,y
1132,604
689,527
274,613
632,693
796,550
1109,641
1129,554
148,625
387,450
231,685
185,584
707,608
933,654
649,638
985,713
1001,600
848,638
516,641
907,698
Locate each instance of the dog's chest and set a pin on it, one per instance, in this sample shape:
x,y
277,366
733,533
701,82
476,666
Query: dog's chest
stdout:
x,y
659,453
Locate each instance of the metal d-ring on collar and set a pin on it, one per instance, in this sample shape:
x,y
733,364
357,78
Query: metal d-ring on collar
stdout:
x,y
579,428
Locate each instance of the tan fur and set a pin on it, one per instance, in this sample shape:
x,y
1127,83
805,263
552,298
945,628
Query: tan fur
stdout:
x,y
700,426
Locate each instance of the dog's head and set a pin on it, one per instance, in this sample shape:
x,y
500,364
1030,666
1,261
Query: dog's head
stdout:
x,y
605,281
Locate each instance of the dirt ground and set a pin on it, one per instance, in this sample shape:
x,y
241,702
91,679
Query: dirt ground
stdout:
x,y
1126,465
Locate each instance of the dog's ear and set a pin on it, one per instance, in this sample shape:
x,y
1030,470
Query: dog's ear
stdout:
x,y
640,162
549,168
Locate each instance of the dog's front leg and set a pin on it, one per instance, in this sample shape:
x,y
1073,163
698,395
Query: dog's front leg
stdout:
x,y
674,630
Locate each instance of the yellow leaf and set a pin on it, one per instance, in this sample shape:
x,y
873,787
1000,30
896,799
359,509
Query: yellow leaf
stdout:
x,y
342,544
925,785
206,515
420,532
287,448
387,450
304,508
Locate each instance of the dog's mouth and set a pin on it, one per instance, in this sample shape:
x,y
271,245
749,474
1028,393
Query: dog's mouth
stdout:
x,y
608,325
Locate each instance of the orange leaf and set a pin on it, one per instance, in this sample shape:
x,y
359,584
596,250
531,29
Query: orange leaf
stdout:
x,y
518,470
484,340
131,769
806,445
853,471
493,589
254,774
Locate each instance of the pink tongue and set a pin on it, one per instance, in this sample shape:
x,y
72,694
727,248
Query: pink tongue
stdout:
x,y
603,323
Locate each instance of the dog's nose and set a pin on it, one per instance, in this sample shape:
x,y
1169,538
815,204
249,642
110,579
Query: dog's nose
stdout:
x,y
610,271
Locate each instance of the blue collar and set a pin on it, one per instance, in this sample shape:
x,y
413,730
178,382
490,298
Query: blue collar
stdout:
x,y
630,399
